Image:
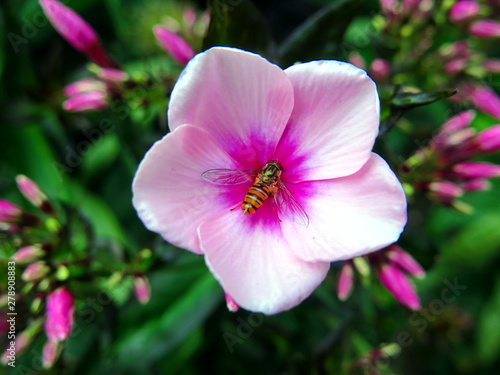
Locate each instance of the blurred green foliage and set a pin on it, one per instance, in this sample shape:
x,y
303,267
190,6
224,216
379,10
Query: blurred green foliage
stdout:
x,y
186,328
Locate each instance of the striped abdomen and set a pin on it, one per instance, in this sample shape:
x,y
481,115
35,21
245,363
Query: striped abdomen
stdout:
x,y
256,195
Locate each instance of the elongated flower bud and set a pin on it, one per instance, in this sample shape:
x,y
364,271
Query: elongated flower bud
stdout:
x,y
346,280
477,184
464,11
87,101
22,341
51,351
399,285
174,44
9,211
28,254
458,122
59,317
189,16
357,60
35,271
34,194
489,139
445,191
476,170
457,49
142,288
409,5
231,303
112,75
456,66
76,31
486,100
492,65
84,85
380,69
486,29
389,6
405,261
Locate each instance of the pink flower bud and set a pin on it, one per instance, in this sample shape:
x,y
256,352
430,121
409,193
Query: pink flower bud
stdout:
x,y
28,254
76,31
399,285
489,139
174,44
422,10
445,191
112,75
59,316
405,261
84,85
357,60
492,65
457,49
409,5
389,6
477,184
486,100
22,341
34,194
458,122
456,66
476,170
346,279
189,16
460,138
231,303
9,211
51,351
205,19
142,289
4,324
87,101
485,29
35,271
380,69
464,11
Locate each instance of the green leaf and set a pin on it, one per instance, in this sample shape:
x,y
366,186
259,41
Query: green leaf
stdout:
x,y
157,337
102,217
476,244
406,100
320,36
28,152
101,154
237,24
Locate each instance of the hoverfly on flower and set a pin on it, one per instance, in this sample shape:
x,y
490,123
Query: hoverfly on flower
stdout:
x,y
266,184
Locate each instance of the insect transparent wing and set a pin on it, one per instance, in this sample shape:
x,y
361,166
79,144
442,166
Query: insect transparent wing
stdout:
x,y
229,176
288,207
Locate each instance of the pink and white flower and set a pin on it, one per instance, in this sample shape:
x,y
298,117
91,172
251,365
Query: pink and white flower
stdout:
x,y
234,109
